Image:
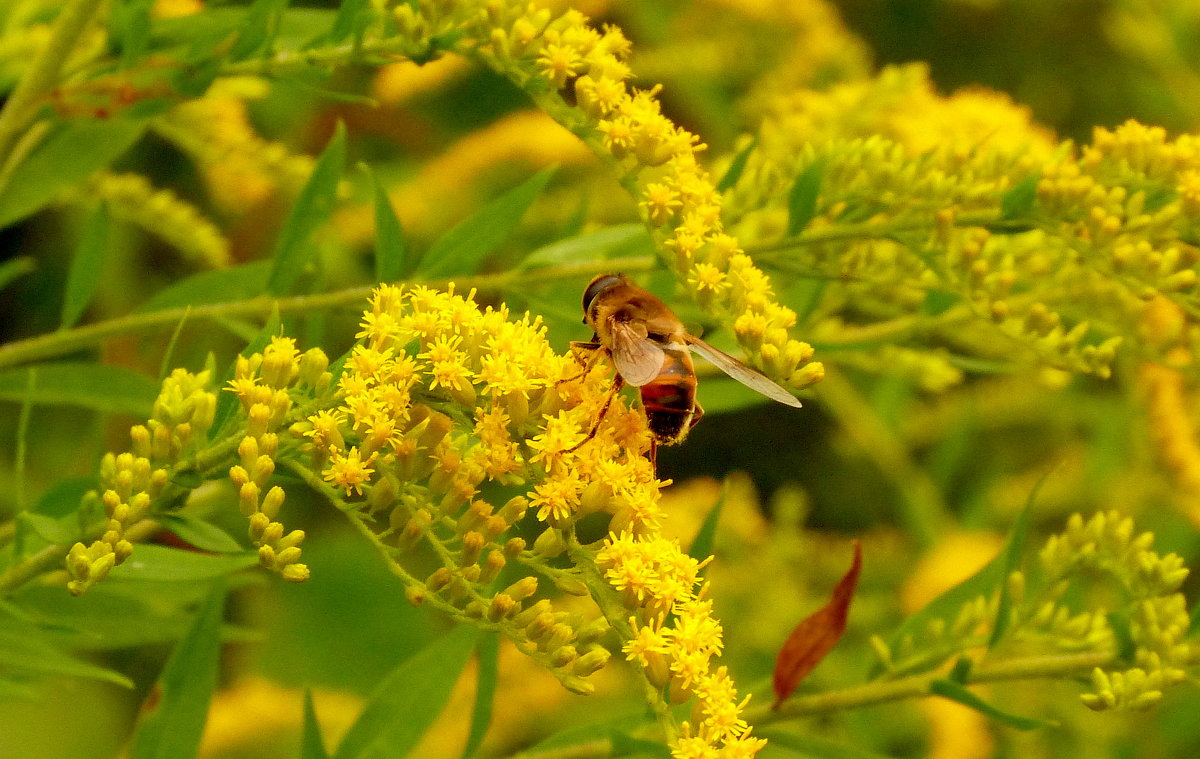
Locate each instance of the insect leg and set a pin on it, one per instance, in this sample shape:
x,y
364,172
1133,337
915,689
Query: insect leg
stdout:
x,y
697,414
593,348
618,383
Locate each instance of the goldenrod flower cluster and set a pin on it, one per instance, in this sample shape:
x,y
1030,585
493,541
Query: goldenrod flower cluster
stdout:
x,y
658,160
451,424
132,198
131,482
456,433
1045,618
265,384
1158,614
675,638
1052,248
242,168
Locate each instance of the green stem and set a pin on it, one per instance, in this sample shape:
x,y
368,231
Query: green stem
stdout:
x,y
873,230
918,686
40,78
52,557
67,341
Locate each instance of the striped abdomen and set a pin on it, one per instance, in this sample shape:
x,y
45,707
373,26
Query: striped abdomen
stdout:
x,y
670,398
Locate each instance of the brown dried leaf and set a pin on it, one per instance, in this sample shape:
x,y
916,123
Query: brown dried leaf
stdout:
x,y
815,636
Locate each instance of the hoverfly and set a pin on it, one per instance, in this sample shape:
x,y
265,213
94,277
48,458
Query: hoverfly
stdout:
x,y
651,351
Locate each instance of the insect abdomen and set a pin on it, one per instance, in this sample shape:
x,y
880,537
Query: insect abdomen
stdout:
x,y
670,398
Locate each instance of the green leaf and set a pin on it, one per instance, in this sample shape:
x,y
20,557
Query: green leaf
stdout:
x,y
958,692
463,249
70,154
734,172
808,745
25,650
702,546
350,20
1008,561
1018,201
802,200
131,27
624,744
14,269
108,389
408,699
227,402
173,725
218,286
54,530
312,745
391,252
993,576
161,564
87,264
258,29
168,357
595,248
312,209
203,535
1122,629
488,653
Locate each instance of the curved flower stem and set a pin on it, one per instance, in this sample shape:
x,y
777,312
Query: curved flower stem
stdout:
x,y
918,686
66,341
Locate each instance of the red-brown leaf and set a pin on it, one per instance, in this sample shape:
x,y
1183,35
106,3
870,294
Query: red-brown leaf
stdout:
x,y
816,636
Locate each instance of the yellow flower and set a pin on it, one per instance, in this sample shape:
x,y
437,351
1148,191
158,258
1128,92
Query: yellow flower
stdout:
x,y
347,470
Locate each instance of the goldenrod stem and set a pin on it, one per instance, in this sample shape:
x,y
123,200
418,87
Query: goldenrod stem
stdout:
x,y
67,341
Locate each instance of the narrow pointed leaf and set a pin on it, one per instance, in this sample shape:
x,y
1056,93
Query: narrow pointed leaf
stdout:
x,y
312,745
617,241
408,700
87,265
16,268
177,708
350,20
108,389
200,534
810,746
958,692
162,564
816,636
258,29
391,251
702,545
736,167
802,200
312,209
218,286
1019,200
487,652
66,157
1008,561
463,249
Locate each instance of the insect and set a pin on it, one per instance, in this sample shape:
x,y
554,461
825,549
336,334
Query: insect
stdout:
x,y
651,351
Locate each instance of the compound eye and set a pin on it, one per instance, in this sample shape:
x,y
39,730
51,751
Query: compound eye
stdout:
x,y
597,286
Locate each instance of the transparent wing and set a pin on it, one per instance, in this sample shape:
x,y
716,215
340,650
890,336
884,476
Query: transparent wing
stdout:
x,y
742,373
637,359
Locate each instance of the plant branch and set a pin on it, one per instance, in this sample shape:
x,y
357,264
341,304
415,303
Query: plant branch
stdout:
x,y
66,341
918,686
